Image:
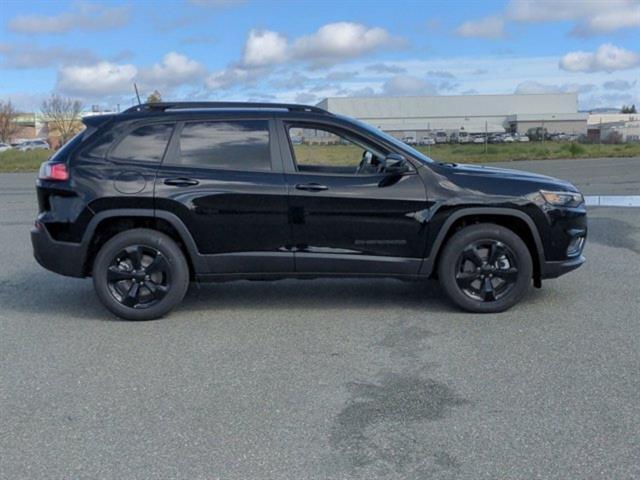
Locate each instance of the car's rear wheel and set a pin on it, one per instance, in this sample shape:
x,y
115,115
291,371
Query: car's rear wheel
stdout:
x,y
140,274
485,268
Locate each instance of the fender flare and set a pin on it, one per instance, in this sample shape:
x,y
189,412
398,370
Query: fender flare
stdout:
x,y
429,262
197,259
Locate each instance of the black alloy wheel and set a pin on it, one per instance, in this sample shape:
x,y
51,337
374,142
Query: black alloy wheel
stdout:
x,y
140,274
485,268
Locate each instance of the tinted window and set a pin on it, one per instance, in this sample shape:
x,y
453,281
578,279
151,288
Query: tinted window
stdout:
x,y
99,147
144,143
236,145
326,151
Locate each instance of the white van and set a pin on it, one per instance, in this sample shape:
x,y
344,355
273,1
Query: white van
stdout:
x,y
441,136
460,137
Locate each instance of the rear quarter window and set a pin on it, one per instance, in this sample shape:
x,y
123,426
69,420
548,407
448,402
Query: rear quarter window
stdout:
x,y
144,143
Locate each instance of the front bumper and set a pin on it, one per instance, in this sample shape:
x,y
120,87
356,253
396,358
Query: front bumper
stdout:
x,y
555,269
64,258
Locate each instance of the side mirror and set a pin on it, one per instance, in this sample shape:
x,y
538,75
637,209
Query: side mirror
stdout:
x,y
396,164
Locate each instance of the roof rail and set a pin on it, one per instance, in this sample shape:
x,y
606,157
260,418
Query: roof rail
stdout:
x,y
162,106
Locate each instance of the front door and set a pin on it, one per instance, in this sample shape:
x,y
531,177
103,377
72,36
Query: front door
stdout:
x,y
223,179
348,215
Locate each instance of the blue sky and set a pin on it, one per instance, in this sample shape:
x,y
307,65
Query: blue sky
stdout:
x,y
307,50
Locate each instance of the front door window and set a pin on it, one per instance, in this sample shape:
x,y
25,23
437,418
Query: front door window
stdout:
x,y
319,150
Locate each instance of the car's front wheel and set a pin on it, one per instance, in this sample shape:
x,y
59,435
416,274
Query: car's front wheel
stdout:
x,y
140,274
485,268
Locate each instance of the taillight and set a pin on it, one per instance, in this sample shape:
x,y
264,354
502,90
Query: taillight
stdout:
x,y
53,171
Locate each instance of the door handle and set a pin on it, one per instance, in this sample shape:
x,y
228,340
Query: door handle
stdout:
x,y
181,182
311,187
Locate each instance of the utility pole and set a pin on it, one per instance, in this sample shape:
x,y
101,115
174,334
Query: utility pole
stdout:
x,y
600,134
486,136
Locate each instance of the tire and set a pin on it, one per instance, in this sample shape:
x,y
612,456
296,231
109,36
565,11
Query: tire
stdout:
x,y
140,274
485,268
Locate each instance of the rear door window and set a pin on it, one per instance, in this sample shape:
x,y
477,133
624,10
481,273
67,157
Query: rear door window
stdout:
x,y
229,145
144,143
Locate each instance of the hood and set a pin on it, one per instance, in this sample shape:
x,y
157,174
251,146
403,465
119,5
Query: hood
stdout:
x,y
506,174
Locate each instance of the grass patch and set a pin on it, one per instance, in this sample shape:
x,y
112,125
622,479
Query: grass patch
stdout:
x,y
527,151
16,161
472,153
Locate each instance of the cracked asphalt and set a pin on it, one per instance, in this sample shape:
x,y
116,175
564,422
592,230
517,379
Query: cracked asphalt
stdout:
x,y
324,379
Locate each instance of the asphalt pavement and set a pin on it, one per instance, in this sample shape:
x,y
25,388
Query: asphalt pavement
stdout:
x,y
593,176
327,379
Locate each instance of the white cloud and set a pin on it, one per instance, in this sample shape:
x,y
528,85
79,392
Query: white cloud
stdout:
x,y
607,58
293,80
385,68
338,41
230,77
331,44
264,48
537,87
27,101
24,56
341,75
592,17
408,85
441,74
609,21
545,10
447,86
488,27
98,80
84,16
619,85
175,69
611,100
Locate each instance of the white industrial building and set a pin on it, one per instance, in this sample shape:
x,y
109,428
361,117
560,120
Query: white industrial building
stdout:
x,y
605,127
416,116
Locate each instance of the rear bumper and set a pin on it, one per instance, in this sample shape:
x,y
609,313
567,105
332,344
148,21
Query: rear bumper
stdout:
x,y
555,269
60,257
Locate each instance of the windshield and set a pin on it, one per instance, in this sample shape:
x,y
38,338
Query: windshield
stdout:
x,y
400,145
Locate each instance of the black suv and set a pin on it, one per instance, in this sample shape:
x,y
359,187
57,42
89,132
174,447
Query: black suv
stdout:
x,y
162,194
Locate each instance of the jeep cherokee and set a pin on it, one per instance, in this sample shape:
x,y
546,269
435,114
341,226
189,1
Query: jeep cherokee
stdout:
x,y
150,199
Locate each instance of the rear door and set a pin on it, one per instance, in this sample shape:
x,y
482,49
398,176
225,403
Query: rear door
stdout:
x,y
224,180
346,216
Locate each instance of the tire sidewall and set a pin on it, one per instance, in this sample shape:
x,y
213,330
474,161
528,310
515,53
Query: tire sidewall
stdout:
x,y
468,235
179,271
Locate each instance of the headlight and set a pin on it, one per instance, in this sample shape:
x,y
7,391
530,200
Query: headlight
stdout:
x,y
562,199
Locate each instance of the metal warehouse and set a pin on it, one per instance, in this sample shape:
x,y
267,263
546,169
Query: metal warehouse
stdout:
x,y
416,116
